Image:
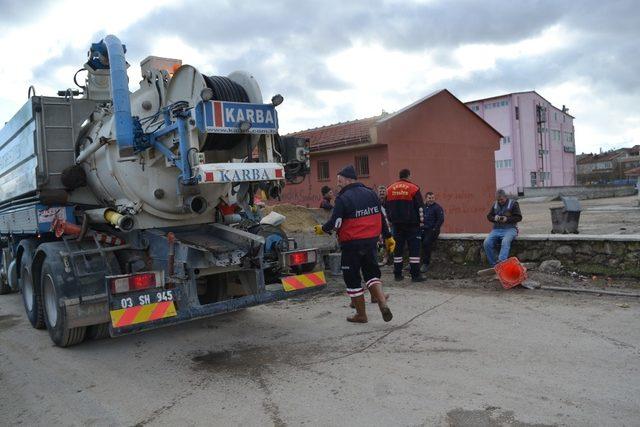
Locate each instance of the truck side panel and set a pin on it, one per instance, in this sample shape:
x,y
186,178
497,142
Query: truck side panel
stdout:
x,y
38,143
18,160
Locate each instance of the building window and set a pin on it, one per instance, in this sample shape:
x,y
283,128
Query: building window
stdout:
x,y
517,113
568,136
323,170
534,181
502,164
362,166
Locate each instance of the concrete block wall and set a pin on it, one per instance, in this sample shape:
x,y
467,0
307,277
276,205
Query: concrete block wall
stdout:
x,y
612,255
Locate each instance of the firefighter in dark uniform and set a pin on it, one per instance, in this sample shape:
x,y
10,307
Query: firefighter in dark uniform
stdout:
x,y
404,208
357,218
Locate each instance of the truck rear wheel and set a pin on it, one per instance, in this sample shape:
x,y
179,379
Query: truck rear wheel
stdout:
x,y
5,287
55,314
98,332
31,298
4,284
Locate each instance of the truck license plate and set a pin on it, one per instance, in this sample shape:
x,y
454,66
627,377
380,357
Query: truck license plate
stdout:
x,y
141,298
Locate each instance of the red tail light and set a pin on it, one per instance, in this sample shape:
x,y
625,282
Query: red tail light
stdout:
x,y
142,281
135,282
298,258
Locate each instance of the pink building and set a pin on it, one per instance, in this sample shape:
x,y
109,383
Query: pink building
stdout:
x,y
538,148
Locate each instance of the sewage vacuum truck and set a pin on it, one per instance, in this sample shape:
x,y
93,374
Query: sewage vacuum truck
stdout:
x,y
121,212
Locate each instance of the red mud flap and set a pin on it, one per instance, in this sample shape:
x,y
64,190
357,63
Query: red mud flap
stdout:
x,y
303,281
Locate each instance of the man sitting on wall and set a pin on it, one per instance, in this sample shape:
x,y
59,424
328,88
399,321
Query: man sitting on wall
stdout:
x,y
504,214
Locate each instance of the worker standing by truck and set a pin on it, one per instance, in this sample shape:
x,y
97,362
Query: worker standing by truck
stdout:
x,y
405,212
357,218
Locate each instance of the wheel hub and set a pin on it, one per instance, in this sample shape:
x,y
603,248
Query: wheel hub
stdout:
x,y
50,301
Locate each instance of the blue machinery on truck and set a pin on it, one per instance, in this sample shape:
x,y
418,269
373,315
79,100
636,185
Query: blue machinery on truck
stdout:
x,y
124,211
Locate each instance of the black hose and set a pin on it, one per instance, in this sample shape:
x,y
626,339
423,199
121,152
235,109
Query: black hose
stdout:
x,y
76,81
224,89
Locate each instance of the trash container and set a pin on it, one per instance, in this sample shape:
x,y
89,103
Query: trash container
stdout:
x,y
565,219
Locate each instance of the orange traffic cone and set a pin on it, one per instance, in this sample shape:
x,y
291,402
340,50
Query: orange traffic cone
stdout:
x,y
510,272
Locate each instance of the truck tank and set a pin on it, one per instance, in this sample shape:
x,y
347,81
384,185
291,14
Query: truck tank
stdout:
x,y
144,183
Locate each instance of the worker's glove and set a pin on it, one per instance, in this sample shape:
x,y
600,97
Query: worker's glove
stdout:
x,y
318,230
390,244
496,218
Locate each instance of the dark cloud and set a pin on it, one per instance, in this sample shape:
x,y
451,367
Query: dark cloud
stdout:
x,y
607,64
306,33
252,35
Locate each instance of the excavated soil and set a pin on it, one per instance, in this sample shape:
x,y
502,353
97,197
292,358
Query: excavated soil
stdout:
x,y
299,218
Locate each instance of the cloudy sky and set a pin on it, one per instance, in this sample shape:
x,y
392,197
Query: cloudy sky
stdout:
x,y
336,60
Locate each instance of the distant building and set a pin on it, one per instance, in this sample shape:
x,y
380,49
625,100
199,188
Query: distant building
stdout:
x,y
538,144
635,174
448,149
607,167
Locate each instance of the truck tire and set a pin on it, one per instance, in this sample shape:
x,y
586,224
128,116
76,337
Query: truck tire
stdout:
x,y
5,288
4,284
31,297
54,313
98,332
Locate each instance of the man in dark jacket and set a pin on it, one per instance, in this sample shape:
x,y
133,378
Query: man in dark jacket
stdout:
x,y
327,195
357,217
433,220
504,214
404,208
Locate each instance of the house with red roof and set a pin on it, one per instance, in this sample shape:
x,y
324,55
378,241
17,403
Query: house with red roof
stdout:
x,y
448,148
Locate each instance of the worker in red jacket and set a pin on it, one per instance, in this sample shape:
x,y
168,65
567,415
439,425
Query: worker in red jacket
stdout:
x,y
404,208
357,218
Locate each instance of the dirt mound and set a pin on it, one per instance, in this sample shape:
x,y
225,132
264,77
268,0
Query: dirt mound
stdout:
x,y
299,219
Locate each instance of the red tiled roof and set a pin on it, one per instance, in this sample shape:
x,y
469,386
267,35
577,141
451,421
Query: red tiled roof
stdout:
x,y
633,172
602,157
339,134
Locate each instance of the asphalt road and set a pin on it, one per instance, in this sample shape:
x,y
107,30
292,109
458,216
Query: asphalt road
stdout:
x,y
456,357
